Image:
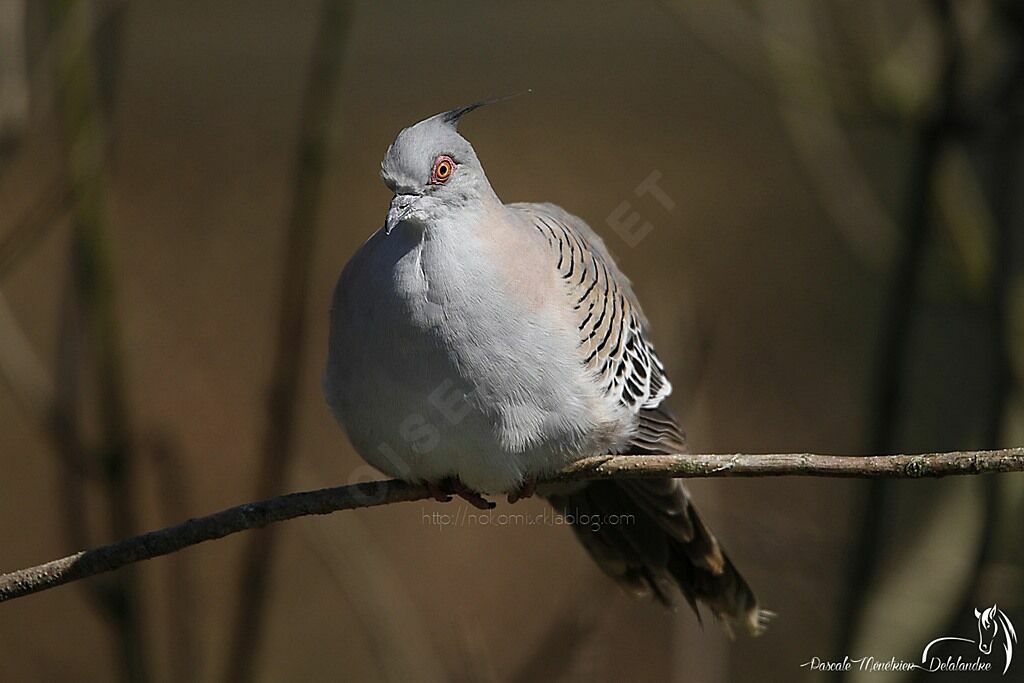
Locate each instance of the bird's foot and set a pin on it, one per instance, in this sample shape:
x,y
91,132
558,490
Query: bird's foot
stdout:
x,y
440,491
443,490
527,490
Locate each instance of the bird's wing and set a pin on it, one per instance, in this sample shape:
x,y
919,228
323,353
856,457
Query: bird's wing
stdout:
x,y
612,327
670,543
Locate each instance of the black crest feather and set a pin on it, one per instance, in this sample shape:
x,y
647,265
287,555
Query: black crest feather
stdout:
x,y
452,117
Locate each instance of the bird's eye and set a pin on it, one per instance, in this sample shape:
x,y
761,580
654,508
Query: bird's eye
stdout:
x,y
443,167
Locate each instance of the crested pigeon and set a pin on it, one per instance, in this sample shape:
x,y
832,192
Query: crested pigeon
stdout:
x,y
491,344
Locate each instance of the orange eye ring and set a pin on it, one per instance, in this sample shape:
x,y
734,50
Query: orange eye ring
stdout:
x,y
444,166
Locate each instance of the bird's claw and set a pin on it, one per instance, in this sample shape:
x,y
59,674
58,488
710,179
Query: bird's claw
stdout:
x,y
443,491
527,490
438,492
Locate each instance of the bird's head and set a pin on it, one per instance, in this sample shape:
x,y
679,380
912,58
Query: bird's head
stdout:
x,y
433,170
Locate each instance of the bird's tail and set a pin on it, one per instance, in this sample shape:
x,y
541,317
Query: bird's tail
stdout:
x,y
647,535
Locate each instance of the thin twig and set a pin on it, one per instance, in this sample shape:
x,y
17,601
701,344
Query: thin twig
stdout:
x,y
370,494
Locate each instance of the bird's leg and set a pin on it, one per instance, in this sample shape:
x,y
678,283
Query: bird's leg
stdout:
x,y
527,490
472,497
442,491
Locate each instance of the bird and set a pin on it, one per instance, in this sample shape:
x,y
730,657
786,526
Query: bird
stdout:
x,y
477,347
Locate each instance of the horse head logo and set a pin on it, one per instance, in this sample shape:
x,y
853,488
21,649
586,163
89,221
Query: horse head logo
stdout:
x,y
994,625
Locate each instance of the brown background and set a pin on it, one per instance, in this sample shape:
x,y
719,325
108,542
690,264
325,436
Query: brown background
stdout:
x,y
764,311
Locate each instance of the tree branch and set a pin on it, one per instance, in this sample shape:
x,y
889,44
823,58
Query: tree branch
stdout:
x,y
370,494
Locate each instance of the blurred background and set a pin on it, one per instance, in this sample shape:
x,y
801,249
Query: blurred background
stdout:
x,y
838,268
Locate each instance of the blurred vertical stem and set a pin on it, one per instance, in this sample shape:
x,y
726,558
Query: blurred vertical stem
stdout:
x,y
184,647
82,123
316,117
107,48
1009,132
1006,176
893,350
65,419
14,87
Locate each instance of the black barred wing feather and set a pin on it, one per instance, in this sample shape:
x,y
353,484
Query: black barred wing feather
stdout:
x,y
669,543
610,323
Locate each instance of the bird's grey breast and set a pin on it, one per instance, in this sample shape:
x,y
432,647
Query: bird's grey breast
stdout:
x,y
389,379
470,337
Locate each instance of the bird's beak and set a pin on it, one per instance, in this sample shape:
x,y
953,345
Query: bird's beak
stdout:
x,y
401,206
